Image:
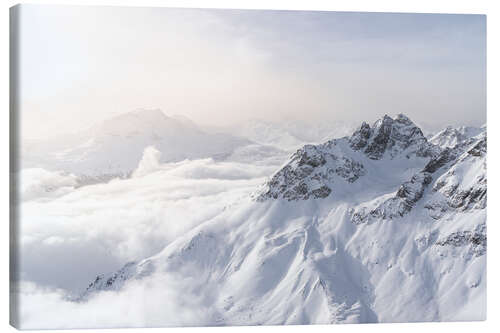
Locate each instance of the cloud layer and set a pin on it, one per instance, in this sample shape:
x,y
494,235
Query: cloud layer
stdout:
x,y
142,303
68,235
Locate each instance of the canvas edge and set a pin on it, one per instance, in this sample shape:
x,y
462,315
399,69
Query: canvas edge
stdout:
x,y
14,25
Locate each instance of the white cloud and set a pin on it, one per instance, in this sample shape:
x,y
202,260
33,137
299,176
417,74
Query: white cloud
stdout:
x,y
69,238
141,303
37,183
150,162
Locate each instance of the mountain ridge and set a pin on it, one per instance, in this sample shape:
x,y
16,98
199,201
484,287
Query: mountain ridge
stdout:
x,y
412,217
114,147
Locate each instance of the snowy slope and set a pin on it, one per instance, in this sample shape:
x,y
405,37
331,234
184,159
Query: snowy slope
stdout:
x,y
450,136
381,226
115,147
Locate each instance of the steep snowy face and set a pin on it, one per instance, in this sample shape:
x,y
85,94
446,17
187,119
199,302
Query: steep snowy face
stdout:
x,y
398,204
457,177
450,136
460,189
461,185
342,233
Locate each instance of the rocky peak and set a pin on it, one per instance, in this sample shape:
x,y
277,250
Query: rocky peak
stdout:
x,y
359,139
390,137
312,171
380,138
401,118
310,174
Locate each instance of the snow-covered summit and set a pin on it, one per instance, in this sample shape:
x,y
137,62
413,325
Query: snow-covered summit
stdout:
x,y
150,122
456,175
451,136
315,171
114,147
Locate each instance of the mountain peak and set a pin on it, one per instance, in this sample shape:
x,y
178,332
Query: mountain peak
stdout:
x,y
313,169
135,118
403,119
389,135
384,121
140,121
400,119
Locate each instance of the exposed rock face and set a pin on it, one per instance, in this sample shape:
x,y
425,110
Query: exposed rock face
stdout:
x,y
475,239
472,197
310,174
313,170
444,157
112,281
443,184
479,149
115,281
392,137
397,206
458,188
381,138
456,185
360,138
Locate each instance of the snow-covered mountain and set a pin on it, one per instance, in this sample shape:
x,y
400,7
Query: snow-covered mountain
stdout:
x,y
115,146
450,136
380,226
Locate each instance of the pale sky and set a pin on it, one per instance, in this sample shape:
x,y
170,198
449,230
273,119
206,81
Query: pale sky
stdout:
x,y
80,65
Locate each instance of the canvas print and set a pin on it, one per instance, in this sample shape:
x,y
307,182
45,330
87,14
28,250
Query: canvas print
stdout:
x,y
214,167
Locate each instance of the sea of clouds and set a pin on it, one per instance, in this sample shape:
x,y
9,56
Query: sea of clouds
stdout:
x,y
68,235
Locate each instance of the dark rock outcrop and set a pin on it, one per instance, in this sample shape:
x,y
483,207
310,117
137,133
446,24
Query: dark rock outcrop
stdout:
x,y
476,239
408,194
390,137
313,169
310,174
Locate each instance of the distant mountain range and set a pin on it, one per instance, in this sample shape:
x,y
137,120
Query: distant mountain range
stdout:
x,y
115,147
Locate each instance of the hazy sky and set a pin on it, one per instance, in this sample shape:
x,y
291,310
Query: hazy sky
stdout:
x,y
80,65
